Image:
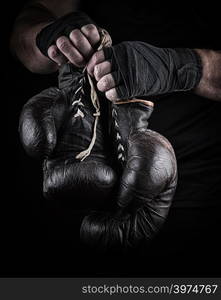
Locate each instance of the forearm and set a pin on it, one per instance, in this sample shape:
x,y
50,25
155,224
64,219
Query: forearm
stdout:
x,y
35,16
210,83
23,45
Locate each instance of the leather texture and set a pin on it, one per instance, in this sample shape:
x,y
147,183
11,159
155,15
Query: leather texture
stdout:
x,y
129,178
146,186
55,126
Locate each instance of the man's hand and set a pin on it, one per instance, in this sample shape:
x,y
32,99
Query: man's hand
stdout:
x,y
103,71
135,69
72,38
78,48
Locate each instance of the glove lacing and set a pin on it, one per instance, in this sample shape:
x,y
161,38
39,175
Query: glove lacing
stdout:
x,y
120,147
105,41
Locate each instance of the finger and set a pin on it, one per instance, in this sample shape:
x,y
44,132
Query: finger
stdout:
x,y
112,95
70,52
106,83
81,43
91,33
56,55
97,58
102,69
119,92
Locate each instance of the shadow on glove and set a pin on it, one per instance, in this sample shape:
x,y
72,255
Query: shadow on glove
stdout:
x,y
146,186
67,129
64,129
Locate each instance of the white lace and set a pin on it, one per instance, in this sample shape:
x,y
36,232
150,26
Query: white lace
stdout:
x,y
105,41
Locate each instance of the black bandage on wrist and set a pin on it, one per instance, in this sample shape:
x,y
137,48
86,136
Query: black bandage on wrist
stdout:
x,y
62,26
145,70
188,66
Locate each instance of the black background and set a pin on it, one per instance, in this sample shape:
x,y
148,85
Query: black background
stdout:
x,y
37,240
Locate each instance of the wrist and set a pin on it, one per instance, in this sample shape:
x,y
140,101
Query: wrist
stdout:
x,y
209,85
36,62
188,67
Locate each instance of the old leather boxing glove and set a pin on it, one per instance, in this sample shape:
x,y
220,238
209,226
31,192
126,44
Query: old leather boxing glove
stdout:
x,y
64,128
147,185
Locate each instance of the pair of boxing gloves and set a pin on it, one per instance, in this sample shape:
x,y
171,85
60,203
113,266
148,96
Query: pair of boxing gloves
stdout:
x,y
103,156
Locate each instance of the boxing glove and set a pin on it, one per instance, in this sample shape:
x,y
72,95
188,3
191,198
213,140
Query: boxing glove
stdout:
x,y
147,183
64,128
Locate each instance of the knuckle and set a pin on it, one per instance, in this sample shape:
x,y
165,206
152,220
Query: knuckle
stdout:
x,y
96,57
97,71
53,53
91,32
62,44
78,61
90,28
111,95
79,44
61,39
105,82
75,35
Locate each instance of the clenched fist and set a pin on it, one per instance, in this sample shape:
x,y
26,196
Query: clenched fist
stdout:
x,y
134,69
73,37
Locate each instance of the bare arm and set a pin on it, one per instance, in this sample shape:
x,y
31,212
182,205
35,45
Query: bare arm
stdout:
x,y
36,15
210,83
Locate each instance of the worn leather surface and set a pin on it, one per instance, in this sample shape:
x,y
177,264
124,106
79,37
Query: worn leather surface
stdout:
x,y
131,195
146,187
49,130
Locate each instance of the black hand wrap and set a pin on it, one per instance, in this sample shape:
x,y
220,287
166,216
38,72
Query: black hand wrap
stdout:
x,y
141,69
62,26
